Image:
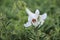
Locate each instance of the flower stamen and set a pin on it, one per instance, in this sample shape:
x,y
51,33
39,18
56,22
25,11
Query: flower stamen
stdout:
x,y
33,20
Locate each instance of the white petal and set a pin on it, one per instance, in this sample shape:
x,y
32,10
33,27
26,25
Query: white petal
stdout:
x,y
41,23
28,11
44,16
37,12
35,24
27,24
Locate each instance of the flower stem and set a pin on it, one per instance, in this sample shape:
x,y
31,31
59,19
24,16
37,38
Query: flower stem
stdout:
x,y
37,34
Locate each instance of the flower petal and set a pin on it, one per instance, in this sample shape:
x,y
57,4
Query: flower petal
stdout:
x,y
44,16
41,23
28,11
27,24
37,12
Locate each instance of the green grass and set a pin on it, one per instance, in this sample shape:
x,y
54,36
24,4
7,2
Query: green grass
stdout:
x,y
13,17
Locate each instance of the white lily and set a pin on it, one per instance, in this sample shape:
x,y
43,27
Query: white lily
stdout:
x,y
34,18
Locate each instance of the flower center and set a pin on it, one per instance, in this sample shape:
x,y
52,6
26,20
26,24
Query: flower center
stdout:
x,y
33,20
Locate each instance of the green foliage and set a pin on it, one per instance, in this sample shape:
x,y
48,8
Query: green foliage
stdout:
x,y
13,17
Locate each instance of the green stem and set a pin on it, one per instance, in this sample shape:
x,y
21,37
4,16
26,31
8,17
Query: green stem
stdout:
x,y
37,34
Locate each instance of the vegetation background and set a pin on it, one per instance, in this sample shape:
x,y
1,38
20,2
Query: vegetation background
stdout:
x,y
13,17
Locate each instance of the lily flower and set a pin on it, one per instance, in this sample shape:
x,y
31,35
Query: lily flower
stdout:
x,y
34,18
